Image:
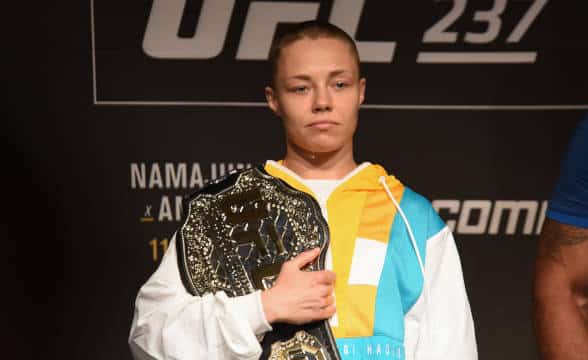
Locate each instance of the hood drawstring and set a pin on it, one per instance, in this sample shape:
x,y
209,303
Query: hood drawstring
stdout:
x,y
382,180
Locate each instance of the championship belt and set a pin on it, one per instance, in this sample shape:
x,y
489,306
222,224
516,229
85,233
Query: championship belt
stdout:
x,y
236,235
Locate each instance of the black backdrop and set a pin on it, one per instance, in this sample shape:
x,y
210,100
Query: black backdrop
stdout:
x,y
93,115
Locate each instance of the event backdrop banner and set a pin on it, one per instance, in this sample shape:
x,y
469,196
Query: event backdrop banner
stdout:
x,y
435,53
470,103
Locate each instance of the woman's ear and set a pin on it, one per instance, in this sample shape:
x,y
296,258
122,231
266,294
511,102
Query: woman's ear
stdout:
x,y
362,82
272,101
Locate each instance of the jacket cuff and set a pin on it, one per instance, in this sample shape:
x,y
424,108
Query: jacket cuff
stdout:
x,y
251,308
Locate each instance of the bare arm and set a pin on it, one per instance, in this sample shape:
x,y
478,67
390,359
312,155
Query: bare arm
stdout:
x,y
561,292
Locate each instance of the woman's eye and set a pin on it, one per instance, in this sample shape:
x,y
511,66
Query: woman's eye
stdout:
x,y
300,89
340,84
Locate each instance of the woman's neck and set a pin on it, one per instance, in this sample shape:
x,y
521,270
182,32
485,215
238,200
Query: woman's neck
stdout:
x,y
331,165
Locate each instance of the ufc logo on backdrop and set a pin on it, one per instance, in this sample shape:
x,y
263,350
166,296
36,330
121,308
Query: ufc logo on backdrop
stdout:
x,y
162,41
135,58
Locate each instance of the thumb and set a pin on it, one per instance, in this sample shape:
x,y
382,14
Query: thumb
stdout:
x,y
306,257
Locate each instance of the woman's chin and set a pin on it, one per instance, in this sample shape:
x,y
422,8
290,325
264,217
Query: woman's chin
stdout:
x,y
320,147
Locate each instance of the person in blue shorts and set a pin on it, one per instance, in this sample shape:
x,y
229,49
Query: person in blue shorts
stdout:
x,y
561,278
